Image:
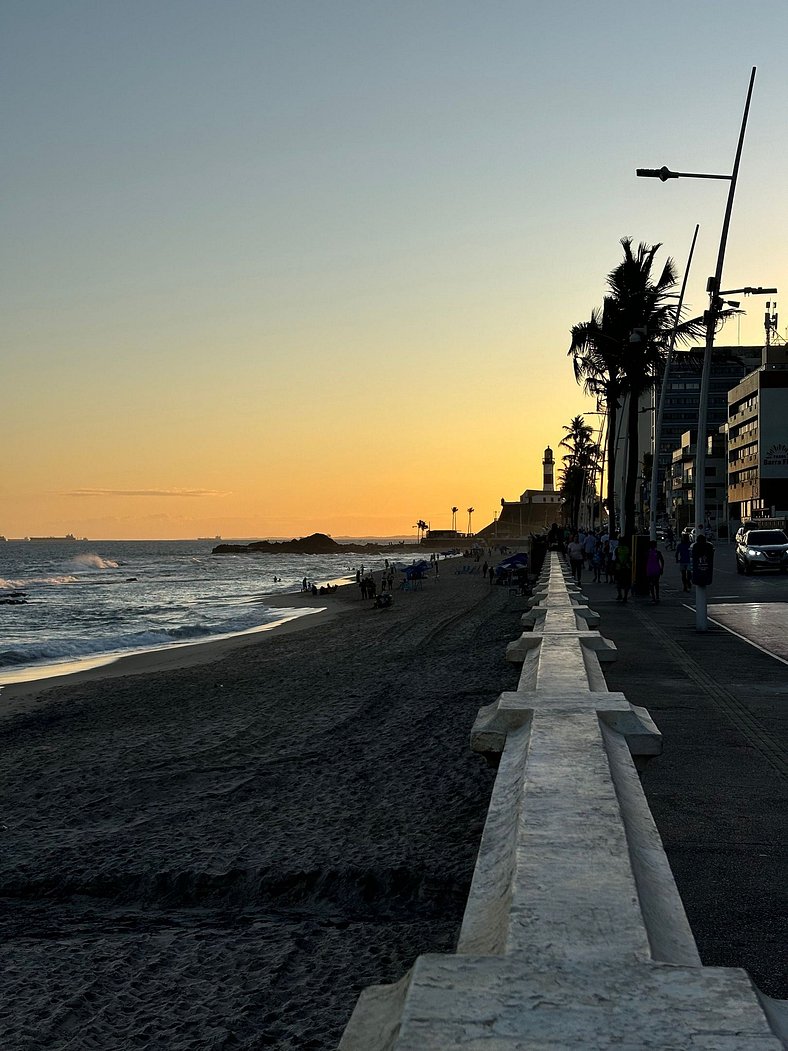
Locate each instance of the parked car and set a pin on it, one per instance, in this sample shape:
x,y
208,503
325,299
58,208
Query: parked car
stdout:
x,y
762,549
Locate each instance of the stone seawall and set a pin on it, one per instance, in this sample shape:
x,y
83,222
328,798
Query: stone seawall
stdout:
x,y
574,934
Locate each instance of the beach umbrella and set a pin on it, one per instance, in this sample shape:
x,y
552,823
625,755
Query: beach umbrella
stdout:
x,y
518,561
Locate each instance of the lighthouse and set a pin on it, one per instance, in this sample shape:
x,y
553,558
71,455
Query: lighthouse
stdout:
x,y
547,471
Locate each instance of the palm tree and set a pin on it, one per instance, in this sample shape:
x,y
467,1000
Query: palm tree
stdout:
x,y
596,359
620,351
579,463
645,319
470,512
454,511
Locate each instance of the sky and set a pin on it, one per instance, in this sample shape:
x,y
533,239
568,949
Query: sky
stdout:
x,y
276,267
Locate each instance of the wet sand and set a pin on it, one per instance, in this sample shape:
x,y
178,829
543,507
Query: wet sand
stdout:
x,y
224,852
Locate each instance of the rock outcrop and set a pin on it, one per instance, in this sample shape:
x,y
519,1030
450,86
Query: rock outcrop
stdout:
x,y
316,544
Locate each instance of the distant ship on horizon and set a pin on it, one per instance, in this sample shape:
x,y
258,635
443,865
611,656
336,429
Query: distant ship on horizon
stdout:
x,y
211,538
51,539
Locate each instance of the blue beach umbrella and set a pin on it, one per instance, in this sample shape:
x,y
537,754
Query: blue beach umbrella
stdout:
x,y
415,570
514,562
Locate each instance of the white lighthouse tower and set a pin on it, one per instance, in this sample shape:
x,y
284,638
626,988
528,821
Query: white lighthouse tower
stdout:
x,y
548,466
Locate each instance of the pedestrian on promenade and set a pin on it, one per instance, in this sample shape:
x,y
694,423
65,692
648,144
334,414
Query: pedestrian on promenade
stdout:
x,y
575,553
684,557
589,547
597,562
655,567
623,570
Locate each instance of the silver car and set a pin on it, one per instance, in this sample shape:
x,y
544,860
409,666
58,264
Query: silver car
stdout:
x,y
762,549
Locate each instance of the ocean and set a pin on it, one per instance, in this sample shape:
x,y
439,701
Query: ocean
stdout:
x,y
92,601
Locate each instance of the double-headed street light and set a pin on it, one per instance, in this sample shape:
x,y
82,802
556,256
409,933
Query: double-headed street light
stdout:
x,y
711,317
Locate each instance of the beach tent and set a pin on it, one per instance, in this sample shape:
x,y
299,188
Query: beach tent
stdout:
x,y
513,563
416,570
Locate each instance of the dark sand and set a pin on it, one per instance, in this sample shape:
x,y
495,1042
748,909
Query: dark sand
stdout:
x,y
222,855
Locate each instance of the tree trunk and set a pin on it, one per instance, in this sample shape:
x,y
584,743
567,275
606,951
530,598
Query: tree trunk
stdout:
x,y
612,405
633,459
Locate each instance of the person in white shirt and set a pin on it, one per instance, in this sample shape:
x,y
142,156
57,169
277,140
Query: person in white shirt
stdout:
x,y
575,552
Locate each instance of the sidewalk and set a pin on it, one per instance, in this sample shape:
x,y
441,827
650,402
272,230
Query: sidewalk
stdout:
x,y
718,793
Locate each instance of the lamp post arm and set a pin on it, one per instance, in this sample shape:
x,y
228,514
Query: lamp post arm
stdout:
x,y
663,394
749,291
663,174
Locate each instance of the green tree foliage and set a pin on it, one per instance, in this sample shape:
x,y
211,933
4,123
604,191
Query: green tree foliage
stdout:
x,y
580,460
617,355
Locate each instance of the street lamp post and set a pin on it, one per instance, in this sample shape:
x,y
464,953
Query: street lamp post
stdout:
x,y
713,289
663,397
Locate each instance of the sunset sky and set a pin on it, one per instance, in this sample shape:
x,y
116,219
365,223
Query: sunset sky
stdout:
x,y
277,267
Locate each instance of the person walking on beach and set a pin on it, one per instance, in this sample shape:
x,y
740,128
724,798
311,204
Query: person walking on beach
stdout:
x,y
655,567
575,553
684,557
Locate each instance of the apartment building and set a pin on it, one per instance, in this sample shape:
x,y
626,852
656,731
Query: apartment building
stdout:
x,y
729,365
758,439
682,482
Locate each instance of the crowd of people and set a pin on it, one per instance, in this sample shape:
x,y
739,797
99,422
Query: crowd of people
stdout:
x,y
611,557
311,587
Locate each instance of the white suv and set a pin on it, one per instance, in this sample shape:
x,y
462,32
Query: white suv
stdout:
x,y
761,549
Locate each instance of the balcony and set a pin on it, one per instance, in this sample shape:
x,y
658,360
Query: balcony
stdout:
x,y
745,491
743,414
743,462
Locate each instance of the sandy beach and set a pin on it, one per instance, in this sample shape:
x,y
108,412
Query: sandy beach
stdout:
x,y
220,846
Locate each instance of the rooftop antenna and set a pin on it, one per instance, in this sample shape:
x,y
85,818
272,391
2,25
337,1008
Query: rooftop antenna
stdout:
x,y
770,320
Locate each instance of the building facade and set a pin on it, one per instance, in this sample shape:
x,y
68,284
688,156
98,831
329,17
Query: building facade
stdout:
x,y
682,398
683,482
758,440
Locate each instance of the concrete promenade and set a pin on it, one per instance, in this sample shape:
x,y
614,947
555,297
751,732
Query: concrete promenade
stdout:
x,y
719,790
574,934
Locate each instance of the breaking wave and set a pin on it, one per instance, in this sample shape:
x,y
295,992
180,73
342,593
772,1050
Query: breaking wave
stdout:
x,y
91,561
53,651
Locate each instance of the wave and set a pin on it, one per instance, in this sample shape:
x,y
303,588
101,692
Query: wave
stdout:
x,y
91,561
59,650
25,582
